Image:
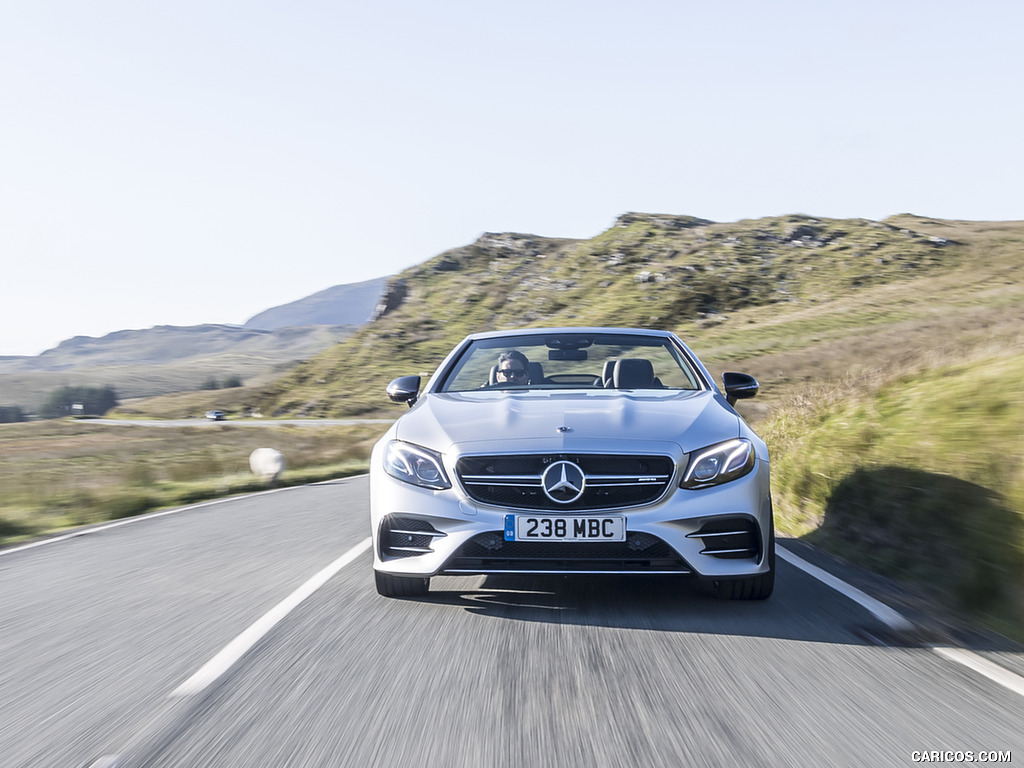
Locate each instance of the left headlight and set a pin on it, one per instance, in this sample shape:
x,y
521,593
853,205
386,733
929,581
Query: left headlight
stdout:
x,y
413,464
719,464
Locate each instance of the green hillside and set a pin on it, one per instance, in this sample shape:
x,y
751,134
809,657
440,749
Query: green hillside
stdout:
x,y
674,272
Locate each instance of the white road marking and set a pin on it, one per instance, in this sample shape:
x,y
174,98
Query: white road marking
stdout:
x,y
878,609
234,650
983,666
896,621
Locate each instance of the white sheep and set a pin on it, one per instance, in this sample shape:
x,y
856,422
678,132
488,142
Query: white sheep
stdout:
x,y
267,463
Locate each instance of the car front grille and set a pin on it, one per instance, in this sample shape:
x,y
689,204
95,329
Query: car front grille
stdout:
x,y
732,538
639,553
613,481
406,537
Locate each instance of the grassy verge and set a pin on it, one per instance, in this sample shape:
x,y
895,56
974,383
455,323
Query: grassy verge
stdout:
x,y
63,474
917,474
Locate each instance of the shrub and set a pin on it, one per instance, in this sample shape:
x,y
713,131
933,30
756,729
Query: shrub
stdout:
x,y
83,401
10,414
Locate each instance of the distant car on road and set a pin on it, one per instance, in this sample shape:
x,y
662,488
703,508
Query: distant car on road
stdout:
x,y
216,415
572,451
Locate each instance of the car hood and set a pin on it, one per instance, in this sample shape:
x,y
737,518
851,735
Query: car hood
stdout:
x,y
546,420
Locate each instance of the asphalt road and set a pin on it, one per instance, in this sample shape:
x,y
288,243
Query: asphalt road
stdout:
x,y
100,631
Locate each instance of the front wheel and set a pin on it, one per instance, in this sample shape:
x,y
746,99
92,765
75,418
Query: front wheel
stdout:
x,y
400,586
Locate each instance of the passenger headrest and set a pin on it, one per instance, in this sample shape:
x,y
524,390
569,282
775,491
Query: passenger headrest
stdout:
x,y
633,373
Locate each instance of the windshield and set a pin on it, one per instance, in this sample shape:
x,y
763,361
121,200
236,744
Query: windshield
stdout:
x,y
571,361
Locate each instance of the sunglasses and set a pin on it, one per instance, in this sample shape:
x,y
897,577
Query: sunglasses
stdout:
x,y
512,371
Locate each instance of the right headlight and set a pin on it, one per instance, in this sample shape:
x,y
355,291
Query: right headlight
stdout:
x,y
719,463
413,464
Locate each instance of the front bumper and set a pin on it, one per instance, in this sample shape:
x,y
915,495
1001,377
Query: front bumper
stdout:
x,y
720,532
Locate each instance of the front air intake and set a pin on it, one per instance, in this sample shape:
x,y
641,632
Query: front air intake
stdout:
x,y
639,553
406,537
732,538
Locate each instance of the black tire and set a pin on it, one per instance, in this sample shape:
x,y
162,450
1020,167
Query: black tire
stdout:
x,y
758,587
400,586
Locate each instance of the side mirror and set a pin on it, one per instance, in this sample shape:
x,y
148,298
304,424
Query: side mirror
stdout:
x,y
404,389
739,386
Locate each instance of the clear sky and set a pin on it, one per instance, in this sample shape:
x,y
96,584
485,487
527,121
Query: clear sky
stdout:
x,y
189,162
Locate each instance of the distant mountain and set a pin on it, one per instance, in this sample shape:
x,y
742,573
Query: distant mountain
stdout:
x,y
165,344
166,358
161,360
350,304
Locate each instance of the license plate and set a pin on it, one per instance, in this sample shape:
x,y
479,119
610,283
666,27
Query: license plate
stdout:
x,y
564,528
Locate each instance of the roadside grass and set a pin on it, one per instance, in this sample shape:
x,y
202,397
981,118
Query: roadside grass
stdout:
x,y
66,473
916,473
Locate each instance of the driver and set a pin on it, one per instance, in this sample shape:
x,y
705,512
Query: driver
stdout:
x,y
513,368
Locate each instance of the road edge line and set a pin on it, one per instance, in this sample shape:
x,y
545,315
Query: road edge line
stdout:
x,y
888,616
899,623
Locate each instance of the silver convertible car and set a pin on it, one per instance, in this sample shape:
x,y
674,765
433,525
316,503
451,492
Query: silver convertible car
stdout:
x,y
572,451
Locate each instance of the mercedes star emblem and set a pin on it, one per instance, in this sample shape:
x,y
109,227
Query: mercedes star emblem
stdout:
x,y
563,482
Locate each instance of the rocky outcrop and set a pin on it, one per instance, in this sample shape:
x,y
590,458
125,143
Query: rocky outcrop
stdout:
x,y
508,244
662,221
394,296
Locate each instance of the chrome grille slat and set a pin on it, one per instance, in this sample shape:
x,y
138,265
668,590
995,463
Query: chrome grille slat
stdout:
x,y
599,484
638,479
508,483
745,551
742,532
501,479
434,534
